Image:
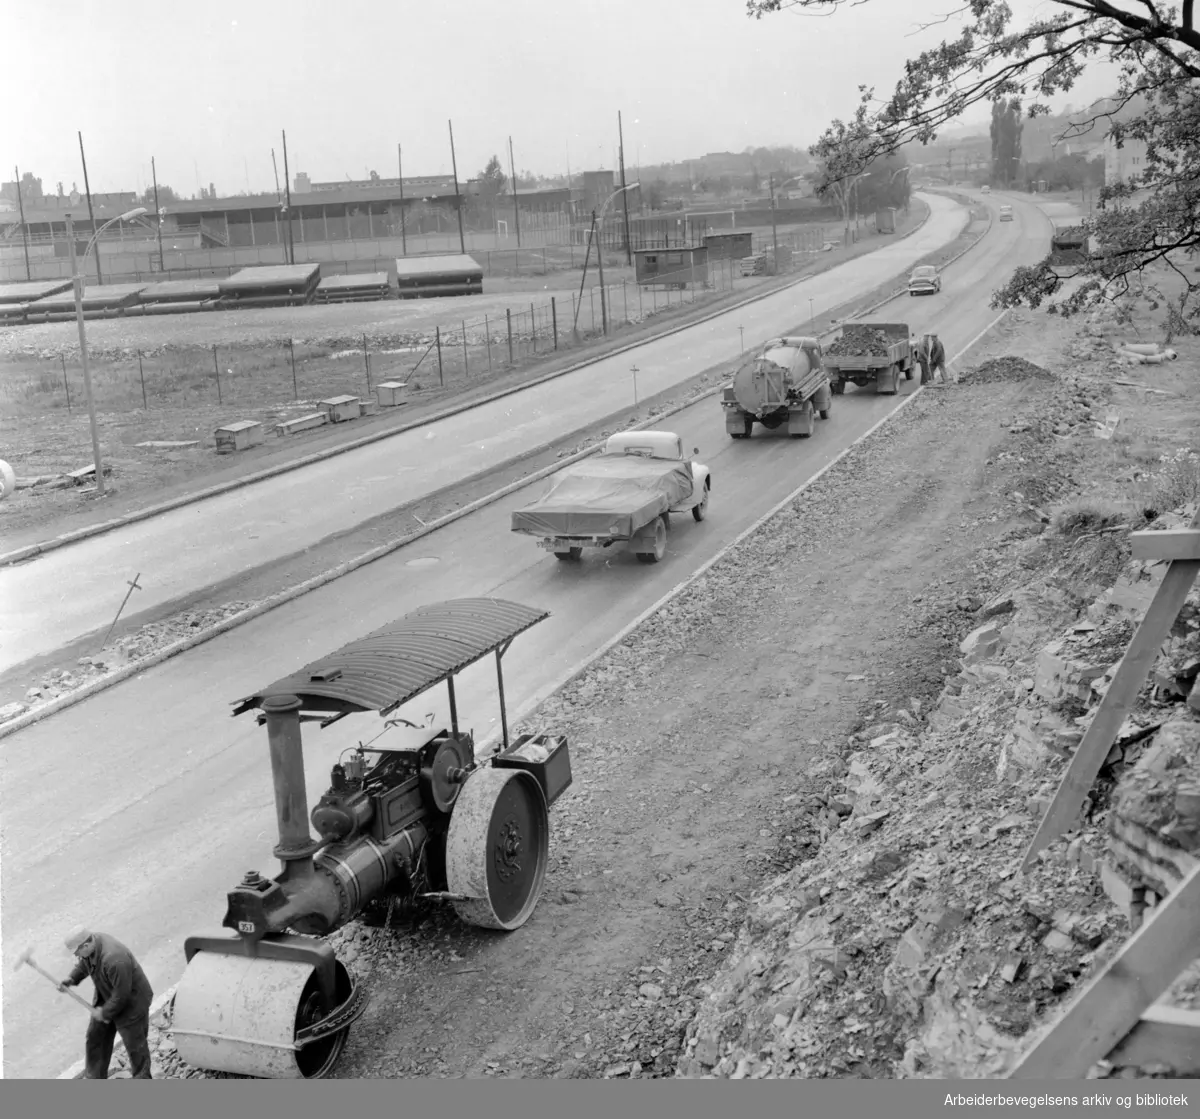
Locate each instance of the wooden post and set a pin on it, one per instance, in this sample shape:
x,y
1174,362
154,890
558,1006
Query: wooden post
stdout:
x,y
66,383
367,363
487,333
1128,680
466,370
554,320
142,375
533,326
217,370
1112,1005
438,339
508,316
292,355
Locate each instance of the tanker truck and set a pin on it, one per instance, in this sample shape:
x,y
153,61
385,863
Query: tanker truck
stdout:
x,y
781,385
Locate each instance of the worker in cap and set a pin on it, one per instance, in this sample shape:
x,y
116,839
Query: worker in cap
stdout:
x,y
120,1005
937,360
921,353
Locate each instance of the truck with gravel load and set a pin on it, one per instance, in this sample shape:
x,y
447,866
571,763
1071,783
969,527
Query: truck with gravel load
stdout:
x,y
870,351
620,499
781,385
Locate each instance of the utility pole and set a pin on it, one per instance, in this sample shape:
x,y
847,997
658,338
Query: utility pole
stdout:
x,y
462,241
599,231
157,214
24,231
91,215
512,166
77,283
400,168
287,187
774,229
624,191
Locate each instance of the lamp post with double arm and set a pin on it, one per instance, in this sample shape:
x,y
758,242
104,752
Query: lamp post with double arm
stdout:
x,y
600,250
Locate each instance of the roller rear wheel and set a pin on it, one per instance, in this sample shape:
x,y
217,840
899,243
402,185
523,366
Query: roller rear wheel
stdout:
x,y
497,848
660,543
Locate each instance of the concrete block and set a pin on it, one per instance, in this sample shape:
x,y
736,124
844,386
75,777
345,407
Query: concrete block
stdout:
x,y
368,407
391,393
238,436
302,423
341,408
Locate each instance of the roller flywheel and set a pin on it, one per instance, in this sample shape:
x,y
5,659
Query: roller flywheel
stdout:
x,y
242,1015
497,848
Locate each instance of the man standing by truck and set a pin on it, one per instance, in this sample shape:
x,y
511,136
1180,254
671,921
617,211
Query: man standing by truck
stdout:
x,y
921,355
938,373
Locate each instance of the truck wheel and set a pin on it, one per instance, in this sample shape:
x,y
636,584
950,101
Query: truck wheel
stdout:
x,y
660,543
569,554
824,412
701,511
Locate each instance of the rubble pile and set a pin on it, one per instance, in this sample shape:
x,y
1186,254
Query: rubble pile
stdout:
x,y
1006,369
908,945
856,341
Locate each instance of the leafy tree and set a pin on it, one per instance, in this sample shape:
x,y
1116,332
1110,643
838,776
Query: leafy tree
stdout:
x,y
492,181
165,196
997,57
1006,140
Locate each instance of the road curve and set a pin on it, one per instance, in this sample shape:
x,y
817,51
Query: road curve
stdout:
x,y
138,809
72,591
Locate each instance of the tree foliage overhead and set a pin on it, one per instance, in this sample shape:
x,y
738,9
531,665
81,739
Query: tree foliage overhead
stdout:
x,y
492,181
996,58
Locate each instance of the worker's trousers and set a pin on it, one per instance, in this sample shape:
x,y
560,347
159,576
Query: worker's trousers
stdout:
x,y
98,1047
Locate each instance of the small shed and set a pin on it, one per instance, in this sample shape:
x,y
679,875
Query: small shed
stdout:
x,y
673,267
729,245
885,220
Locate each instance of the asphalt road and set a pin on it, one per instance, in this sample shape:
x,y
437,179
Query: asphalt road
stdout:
x,y
137,810
75,590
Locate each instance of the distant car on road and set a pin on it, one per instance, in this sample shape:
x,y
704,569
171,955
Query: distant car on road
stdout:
x,y
1006,213
924,281
987,190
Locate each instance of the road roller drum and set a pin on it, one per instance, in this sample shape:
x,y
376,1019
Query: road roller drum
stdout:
x,y
245,1014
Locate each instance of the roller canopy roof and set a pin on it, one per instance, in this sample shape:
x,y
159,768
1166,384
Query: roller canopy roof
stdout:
x,y
404,658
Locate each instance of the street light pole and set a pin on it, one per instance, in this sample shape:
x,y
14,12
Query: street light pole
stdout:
x,y
77,284
774,228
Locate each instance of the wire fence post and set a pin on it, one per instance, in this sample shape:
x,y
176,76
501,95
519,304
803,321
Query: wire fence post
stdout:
x,y
574,317
592,305
217,370
554,319
292,355
437,337
508,316
142,375
466,368
533,326
66,383
487,333
367,363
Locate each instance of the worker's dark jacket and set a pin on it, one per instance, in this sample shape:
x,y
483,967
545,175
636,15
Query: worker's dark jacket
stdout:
x,y
937,355
122,990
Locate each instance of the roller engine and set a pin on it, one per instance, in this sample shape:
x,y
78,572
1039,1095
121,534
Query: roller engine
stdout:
x,y
426,819
781,385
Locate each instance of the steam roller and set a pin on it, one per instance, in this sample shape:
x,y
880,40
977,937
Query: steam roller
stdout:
x,y
265,996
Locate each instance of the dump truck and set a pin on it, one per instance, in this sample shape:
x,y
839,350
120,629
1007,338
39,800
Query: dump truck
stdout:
x,y
870,351
618,500
781,385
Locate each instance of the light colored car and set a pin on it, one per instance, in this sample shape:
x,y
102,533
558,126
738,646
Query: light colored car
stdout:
x,y
1006,213
924,281
987,189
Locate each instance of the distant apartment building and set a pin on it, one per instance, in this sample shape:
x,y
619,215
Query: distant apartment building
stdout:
x,y
1121,164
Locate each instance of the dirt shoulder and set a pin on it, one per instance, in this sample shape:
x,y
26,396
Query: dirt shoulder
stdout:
x,y
47,444
701,744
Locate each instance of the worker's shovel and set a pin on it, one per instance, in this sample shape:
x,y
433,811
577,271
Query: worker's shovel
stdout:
x,y
26,957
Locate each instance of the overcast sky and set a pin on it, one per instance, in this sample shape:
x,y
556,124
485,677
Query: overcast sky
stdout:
x,y
206,88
